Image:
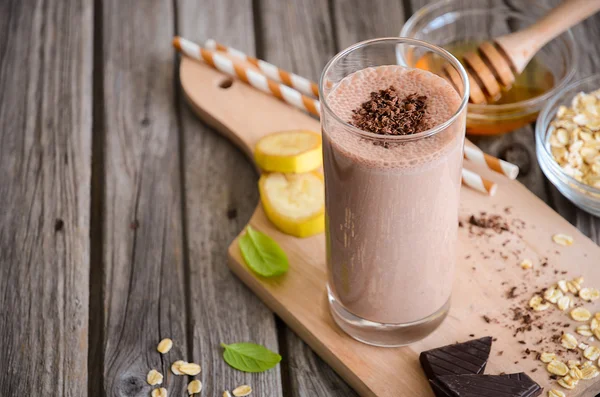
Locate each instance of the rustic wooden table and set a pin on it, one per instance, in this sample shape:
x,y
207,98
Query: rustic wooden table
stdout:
x,y
118,204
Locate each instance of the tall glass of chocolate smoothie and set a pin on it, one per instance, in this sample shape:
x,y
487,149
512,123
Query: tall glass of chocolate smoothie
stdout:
x,y
393,139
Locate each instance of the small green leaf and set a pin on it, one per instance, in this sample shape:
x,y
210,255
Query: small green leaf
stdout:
x,y
262,254
250,357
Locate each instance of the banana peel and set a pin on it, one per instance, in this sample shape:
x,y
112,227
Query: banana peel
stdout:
x,y
294,203
295,151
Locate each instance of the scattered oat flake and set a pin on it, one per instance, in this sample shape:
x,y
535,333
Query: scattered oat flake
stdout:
x,y
175,367
547,357
526,264
164,346
553,295
562,284
584,330
567,382
592,353
572,287
589,294
226,393
557,367
575,373
589,371
192,369
577,285
154,377
241,391
563,239
586,364
162,392
537,303
556,393
564,303
568,341
194,387
581,314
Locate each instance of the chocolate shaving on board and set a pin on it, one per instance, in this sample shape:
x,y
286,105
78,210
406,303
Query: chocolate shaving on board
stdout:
x,y
490,221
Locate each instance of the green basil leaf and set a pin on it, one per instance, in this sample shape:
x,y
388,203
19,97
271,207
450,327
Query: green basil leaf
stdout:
x,y
250,357
262,254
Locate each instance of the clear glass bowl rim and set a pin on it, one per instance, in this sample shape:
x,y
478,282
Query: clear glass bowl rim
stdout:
x,y
541,128
396,40
480,110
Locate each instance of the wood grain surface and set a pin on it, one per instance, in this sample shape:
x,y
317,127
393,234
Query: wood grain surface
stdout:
x,y
45,166
220,194
143,253
117,204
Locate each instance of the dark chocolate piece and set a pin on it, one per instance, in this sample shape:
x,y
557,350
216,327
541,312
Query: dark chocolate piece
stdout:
x,y
513,385
462,358
439,389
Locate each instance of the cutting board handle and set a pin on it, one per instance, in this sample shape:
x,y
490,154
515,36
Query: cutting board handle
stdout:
x,y
239,112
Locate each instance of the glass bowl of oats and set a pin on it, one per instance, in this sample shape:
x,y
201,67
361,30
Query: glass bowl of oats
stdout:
x,y
568,143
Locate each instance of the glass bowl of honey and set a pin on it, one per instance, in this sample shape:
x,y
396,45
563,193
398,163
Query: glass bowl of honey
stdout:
x,y
460,26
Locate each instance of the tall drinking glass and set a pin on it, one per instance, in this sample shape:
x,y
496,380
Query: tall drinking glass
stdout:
x,y
392,200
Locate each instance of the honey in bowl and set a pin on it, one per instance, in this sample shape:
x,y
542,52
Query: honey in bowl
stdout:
x,y
506,114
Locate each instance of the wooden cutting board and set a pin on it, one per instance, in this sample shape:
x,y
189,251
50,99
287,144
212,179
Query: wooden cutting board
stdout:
x,y
488,267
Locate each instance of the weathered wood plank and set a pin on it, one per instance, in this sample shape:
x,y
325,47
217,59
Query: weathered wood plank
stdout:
x,y
356,21
220,196
308,375
142,206
297,36
45,167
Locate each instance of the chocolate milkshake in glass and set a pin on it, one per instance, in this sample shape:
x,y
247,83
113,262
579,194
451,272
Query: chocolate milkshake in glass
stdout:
x,y
392,200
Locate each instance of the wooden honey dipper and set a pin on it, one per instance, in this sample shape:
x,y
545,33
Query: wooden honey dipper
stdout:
x,y
496,63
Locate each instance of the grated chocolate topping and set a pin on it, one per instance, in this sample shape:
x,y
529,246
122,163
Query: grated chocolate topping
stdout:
x,y
388,114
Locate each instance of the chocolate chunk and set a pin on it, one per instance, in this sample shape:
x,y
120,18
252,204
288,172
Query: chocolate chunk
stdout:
x,y
439,389
458,359
511,385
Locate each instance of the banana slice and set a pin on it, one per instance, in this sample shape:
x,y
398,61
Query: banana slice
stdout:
x,y
295,203
289,151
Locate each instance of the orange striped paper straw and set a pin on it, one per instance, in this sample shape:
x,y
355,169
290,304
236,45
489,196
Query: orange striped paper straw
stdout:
x,y
479,183
500,166
293,97
299,83
248,75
